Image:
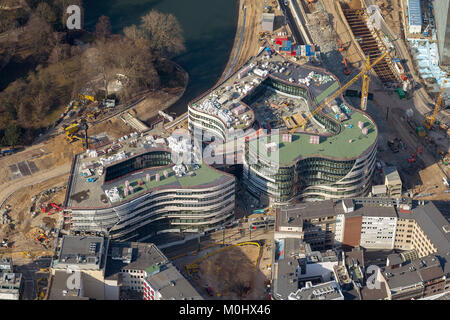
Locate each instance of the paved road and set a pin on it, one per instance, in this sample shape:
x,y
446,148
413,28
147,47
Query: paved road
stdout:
x,y
291,22
30,275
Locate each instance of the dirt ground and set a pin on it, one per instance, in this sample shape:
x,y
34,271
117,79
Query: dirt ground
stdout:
x,y
57,151
23,231
432,183
115,128
391,11
229,281
149,108
48,157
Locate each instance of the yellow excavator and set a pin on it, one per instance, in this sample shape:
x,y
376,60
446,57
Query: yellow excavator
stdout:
x,y
429,121
367,68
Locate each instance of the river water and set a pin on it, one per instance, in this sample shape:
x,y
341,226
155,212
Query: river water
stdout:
x,y
209,28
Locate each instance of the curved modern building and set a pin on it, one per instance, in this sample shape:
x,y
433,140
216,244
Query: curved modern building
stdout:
x,y
136,192
333,157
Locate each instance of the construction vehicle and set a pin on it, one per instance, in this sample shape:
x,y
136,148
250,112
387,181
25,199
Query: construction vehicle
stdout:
x,y
86,97
413,157
94,114
337,93
72,129
365,87
347,70
71,132
341,48
50,208
429,121
5,244
41,237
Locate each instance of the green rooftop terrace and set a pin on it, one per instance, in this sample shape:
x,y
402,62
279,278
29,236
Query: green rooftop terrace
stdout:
x,y
334,147
203,176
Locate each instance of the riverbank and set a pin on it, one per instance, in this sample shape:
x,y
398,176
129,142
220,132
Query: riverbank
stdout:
x,y
245,45
160,100
246,42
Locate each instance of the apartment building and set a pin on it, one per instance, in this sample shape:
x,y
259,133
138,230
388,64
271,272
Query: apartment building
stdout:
x,y
100,269
416,228
296,266
11,285
372,223
417,279
141,271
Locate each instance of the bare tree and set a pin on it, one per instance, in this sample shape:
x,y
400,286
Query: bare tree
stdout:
x,y
46,12
39,35
101,61
164,32
103,28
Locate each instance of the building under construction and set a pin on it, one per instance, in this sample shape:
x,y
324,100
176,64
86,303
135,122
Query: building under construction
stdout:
x,y
333,156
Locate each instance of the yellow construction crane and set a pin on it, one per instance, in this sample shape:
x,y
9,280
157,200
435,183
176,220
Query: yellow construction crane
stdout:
x,y
365,86
429,121
337,93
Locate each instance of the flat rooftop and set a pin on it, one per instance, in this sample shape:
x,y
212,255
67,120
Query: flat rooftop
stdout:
x,y
415,272
81,250
171,284
85,193
348,144
322,291
58,288
144,257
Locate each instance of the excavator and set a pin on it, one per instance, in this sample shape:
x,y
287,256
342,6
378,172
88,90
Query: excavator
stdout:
x,y
413,158
429,121
341,48
347,70
41,237
337,93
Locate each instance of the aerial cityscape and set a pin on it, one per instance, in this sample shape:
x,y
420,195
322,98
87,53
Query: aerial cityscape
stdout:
x,y
227,150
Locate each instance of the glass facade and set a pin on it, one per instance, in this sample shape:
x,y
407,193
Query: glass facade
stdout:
x,y
147,160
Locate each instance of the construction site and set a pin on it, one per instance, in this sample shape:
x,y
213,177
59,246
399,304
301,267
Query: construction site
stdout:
x,y
413,127
291,63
